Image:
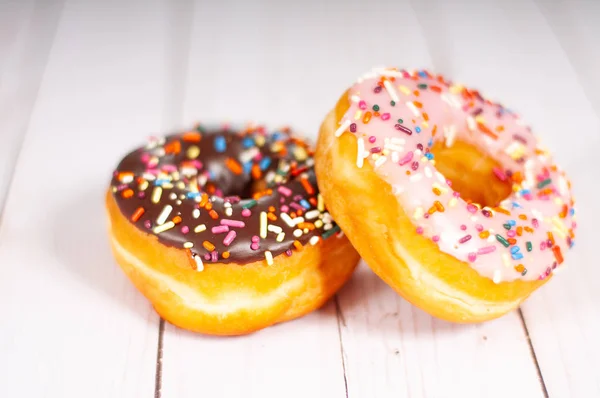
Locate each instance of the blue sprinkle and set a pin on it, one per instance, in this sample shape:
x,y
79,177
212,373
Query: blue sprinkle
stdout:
x,y
193,195
515,204
422,74
517,256
248,142
247,167
430,143
264,163
512,223
524,191
418,129
572,244
305,204
514,249
159,182
572,211
276,136
220,144
429,155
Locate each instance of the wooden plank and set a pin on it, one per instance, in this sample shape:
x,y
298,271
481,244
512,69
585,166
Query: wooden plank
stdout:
x,y
393,349
14,18
26,33
519,60
72,324
576,26
249,71
289,66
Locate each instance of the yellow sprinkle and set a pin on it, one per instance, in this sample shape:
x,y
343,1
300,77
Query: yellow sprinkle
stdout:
x,y
200,228
164,227
418,213
188,245
318,224
193,152
263,225
452,202
280,237
156,194
269,257
143,185
405,90
320,203
357,115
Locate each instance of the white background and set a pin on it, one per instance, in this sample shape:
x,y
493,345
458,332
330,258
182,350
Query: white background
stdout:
x,y
81,82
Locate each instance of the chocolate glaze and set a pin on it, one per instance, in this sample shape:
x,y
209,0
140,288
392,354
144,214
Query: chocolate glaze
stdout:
x,y
232,167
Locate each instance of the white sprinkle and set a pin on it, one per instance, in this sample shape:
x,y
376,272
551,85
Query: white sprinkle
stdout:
x,y
164,214
156,194
248,154
199,263
452,202
360,153
497,277
413,108
390,89
537,214
196,213
298,233
416,177
394,147
188,245
397,189
471,123
287,219
228,211
263,224
440,177
298,220
314,240
200,228
342,128
312,214
280,237
395,157
450,133
269,257
380,161
274,228
163,227
355,98
173,196
428,172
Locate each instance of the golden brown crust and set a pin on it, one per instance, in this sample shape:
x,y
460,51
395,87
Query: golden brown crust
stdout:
x,y
370,215
228,299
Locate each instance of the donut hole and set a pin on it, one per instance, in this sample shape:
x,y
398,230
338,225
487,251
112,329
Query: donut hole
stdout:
x,y
226,183
471,173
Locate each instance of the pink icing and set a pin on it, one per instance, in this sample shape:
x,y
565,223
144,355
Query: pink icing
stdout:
x,y
526,235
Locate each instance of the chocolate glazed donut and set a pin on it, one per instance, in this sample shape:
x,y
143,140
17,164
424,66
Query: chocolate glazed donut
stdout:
x,y
226,200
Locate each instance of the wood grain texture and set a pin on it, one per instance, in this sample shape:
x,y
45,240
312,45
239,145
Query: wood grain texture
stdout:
x,y
289,67
72,325
26,34
228,78
81,83
549,81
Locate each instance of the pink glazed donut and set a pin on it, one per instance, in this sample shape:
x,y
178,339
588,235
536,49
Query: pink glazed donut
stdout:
x,y
447,196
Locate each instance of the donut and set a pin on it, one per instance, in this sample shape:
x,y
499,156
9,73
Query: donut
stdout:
x,y
223,229
446,195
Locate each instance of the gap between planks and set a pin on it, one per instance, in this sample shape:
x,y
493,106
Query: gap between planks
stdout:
x,y
341,321
533,355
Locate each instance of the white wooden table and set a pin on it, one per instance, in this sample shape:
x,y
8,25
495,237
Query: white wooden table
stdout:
x,y
83,81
